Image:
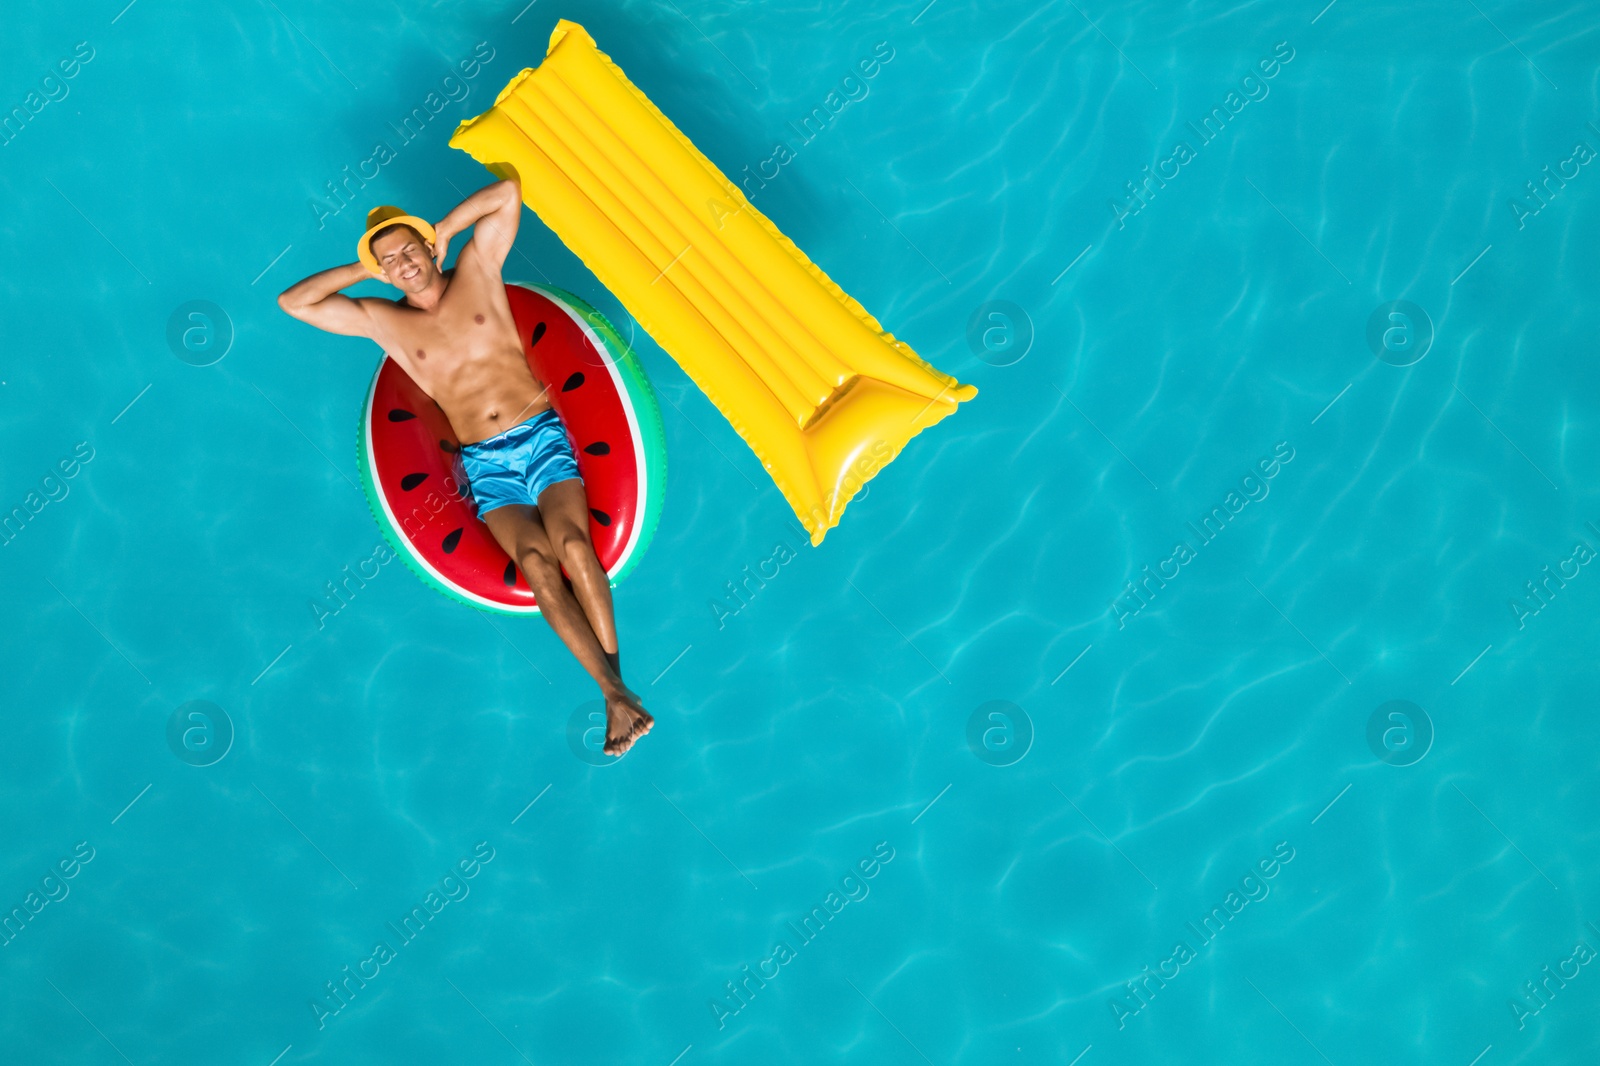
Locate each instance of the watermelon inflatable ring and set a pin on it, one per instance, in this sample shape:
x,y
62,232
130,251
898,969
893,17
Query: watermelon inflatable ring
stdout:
x,y
411,470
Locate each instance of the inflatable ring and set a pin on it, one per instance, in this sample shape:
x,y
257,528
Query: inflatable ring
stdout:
x,y
411,470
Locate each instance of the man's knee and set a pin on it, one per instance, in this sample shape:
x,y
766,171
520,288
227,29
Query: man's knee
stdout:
x,y
571,546
540,568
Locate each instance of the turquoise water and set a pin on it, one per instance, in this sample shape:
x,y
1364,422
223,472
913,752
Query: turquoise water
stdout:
x,y
1219,741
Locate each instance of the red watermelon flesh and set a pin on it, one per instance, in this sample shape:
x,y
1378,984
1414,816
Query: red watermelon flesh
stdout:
x,y
415,466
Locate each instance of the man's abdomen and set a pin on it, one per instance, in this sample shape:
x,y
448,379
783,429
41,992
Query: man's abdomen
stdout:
x,y
490,397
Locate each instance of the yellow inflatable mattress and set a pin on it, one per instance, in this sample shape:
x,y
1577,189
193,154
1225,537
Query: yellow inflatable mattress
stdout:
x,y
824,396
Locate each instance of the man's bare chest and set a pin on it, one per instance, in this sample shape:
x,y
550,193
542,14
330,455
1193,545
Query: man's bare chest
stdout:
x,y
434,348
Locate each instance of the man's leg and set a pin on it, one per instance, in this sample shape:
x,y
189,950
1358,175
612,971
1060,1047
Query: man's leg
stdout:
x,y
521,532
564,508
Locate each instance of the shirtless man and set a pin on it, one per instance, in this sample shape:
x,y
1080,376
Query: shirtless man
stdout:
x,y
453,333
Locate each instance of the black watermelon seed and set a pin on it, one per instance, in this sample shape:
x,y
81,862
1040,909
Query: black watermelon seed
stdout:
x,y
538,331
601,517
400,414
451,539
411,481
511,575
449,446
573,382
599,447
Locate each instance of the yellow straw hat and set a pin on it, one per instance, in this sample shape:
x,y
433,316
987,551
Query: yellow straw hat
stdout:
x,y
388,215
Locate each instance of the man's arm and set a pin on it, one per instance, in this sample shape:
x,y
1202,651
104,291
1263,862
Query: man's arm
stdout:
x,y
317,300
497,209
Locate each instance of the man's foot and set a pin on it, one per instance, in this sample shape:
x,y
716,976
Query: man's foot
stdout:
x,y
626,721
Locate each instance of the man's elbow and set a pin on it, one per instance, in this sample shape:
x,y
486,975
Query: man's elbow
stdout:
x,y
294,309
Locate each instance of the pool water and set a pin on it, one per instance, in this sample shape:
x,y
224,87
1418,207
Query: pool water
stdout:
x,y
1216,687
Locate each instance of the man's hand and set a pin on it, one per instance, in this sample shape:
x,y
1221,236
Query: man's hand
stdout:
x,y
441,243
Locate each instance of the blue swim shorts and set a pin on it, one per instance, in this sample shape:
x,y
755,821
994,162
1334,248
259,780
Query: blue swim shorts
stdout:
x,y
515,466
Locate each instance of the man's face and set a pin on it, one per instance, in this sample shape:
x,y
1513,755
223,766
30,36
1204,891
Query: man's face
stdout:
x,y
406,259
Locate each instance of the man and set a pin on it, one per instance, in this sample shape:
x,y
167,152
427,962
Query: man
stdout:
x,y
453,333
